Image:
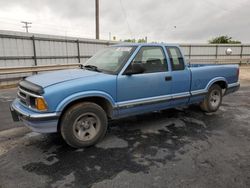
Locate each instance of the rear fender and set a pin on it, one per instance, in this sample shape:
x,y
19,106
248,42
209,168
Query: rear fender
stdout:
x,y
210,83
214,80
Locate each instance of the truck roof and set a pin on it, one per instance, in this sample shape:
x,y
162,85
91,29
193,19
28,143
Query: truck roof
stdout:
x,y
145,44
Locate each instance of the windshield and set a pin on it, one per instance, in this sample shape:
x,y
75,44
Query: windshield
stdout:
x,y
110,59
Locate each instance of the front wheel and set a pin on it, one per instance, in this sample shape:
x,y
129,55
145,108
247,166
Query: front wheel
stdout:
x,y
213,99
84,124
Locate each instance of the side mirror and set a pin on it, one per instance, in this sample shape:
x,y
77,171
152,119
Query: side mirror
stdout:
x,y
229,51
136,68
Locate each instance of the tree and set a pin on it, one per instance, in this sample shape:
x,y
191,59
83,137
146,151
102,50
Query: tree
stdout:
x,y
223,40
134,40
130,40
142,40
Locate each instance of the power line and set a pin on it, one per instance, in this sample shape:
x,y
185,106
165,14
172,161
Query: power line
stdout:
x,y
125,15
26,25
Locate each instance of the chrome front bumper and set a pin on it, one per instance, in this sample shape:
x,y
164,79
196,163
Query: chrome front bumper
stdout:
x,y
37,121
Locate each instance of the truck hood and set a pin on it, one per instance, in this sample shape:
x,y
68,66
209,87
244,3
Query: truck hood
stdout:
x,y
55,77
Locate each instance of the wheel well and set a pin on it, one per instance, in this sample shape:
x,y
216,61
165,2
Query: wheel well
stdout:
x,y
222,84
102,102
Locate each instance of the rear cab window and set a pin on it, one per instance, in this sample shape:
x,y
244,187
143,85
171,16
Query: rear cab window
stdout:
x,y
176,58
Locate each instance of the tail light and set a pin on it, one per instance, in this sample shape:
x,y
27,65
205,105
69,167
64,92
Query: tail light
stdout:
x,y
238,73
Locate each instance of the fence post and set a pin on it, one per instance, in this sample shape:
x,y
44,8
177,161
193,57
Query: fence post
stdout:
x,y
189,53
34,51
241,51
216,54
78,51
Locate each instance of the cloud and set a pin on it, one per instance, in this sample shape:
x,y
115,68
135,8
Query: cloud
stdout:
x,y
161,20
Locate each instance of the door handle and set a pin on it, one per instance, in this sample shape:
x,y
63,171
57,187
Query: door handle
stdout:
x,y
168,78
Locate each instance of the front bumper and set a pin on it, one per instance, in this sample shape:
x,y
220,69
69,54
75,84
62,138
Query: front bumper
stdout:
x,y
37,121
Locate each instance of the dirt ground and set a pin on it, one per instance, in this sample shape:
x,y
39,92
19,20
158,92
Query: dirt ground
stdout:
x,y
181,147
245,74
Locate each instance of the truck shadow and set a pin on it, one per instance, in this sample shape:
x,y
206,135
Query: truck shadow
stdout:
x,y
133,144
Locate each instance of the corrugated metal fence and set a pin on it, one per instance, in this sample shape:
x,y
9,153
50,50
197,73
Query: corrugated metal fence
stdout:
x,y
28,53
216,53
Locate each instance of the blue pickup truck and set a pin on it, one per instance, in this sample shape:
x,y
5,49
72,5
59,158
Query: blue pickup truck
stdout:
x,y
119,81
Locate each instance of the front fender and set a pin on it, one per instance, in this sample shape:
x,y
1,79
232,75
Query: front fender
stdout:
x,y
82,95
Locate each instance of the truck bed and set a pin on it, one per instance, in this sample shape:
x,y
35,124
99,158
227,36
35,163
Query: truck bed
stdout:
x,y
202,74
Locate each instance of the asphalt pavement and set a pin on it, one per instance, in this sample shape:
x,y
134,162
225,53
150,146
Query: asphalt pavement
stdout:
x,y
182,147
6,96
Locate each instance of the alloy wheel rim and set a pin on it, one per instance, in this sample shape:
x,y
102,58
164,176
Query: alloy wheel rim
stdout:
x,y
86,126
215,98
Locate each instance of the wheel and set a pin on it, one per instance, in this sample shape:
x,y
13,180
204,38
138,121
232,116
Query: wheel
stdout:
x,y
83,125
213,99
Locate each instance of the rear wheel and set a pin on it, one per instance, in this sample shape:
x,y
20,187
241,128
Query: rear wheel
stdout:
x,y
84,124
213,99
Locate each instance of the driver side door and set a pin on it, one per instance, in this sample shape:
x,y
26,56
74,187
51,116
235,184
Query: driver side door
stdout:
x,y
147,91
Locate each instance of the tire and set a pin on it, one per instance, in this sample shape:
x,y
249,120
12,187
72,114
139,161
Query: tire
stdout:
x,y
213,99
83,125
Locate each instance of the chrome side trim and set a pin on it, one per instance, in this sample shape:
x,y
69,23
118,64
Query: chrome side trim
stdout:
x,y
168,97
143,101
233,85
152,99
180,95
199,92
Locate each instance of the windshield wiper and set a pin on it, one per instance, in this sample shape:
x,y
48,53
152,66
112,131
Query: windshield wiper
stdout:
x,y
92,67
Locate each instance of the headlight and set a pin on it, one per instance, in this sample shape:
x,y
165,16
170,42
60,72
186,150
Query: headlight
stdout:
x,y
40,104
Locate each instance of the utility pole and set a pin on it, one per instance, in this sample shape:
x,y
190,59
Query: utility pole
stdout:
x,y
97,19
26,25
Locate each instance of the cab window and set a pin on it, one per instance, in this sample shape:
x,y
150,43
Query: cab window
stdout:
x,y
176,59
152,59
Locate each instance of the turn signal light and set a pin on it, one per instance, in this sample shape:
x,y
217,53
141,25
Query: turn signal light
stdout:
x,y
41,104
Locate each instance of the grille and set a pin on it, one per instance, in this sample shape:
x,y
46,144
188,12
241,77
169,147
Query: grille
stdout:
x,y
23,96
26,96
